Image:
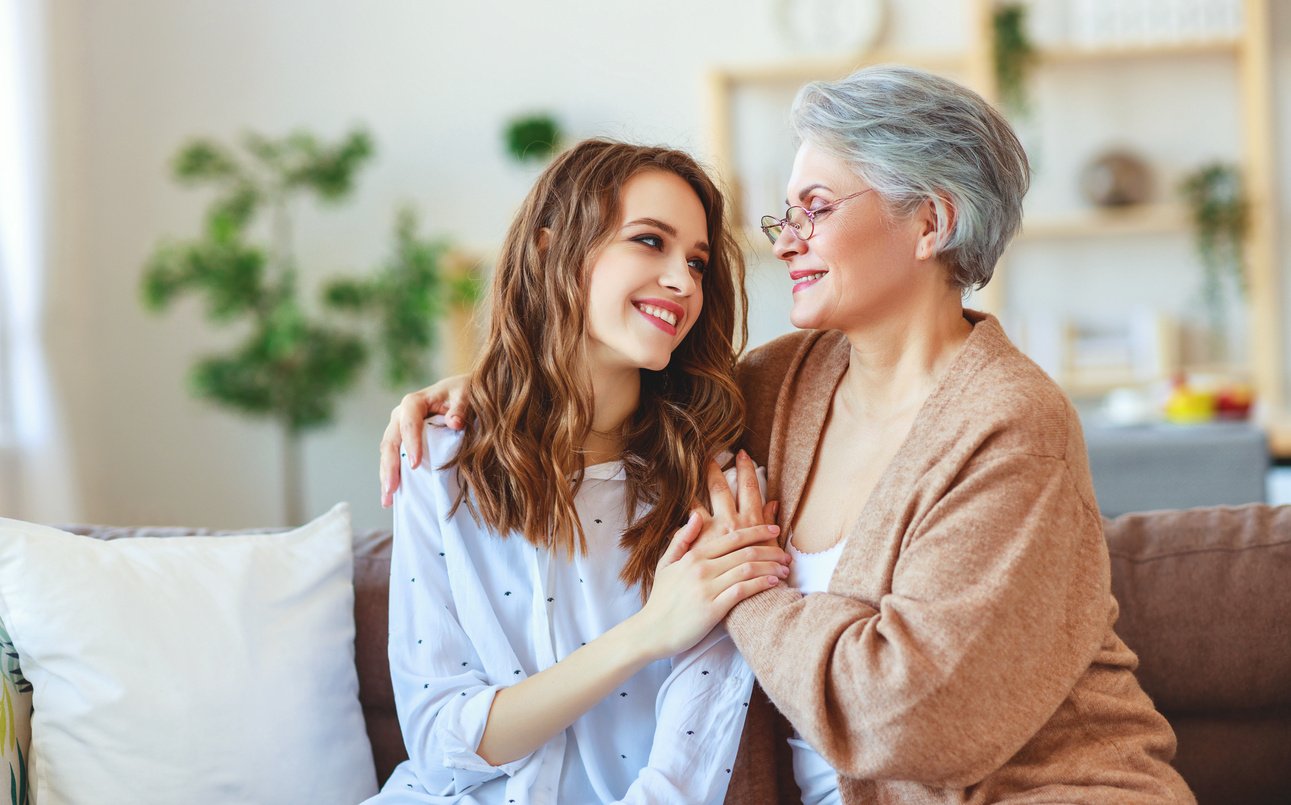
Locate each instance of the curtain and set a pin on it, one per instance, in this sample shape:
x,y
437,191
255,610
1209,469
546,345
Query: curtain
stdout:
x,y
34,462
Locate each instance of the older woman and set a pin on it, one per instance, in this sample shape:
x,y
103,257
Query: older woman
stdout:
x,y
947,633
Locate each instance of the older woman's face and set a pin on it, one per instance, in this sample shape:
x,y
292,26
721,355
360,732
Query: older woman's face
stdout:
x,y
860,260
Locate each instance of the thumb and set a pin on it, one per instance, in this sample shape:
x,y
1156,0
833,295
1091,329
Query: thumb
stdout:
x,y
456,416
770,510
682,540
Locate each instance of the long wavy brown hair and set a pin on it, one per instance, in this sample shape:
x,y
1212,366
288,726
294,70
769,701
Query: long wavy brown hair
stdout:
x,y
530,396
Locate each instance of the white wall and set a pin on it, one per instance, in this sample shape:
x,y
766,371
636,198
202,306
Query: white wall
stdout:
x,y
433,81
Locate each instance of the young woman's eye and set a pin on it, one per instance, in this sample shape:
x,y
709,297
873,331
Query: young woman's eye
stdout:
x,y
697,264
653,241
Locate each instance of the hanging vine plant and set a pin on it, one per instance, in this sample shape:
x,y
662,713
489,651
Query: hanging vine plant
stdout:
x,y
1219,210
1014,55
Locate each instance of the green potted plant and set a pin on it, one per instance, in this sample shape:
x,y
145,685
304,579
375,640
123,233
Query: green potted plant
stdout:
x,y
1219,213
293,361
1013,56
532,138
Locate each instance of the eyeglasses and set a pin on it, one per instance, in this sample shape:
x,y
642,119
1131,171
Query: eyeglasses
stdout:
x,y
800,219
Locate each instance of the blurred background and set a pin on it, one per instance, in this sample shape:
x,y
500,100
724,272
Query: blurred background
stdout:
x,y
215,211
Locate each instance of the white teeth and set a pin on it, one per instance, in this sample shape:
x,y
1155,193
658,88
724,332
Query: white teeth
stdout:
x,y
812,277
659,313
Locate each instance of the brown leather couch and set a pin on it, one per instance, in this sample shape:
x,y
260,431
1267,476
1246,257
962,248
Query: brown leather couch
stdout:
x,y
1205,598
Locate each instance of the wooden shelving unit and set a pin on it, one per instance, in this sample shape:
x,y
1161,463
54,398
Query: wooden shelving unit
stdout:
x,y
1251,52
1202,47
1140,219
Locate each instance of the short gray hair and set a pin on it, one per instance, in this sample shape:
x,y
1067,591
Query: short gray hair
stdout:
x,y
916,137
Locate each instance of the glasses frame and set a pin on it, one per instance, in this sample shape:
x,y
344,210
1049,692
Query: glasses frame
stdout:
x,y
770,221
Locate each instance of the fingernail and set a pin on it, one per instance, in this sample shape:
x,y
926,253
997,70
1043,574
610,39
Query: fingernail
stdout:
x,y
784,571
773,580
773,529
743,455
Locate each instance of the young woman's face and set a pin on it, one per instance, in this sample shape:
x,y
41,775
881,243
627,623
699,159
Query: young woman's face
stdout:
x,y
644,289
859,260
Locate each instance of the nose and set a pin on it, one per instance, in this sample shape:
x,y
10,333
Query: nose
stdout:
x,y
679,278
788,244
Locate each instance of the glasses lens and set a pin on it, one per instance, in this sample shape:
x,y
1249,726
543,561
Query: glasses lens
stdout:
x,y
800,221
771,226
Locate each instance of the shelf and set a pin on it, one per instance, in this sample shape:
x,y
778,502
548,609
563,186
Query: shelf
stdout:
x,y
1075,54
1278,428
1095,383
801,70
1142,219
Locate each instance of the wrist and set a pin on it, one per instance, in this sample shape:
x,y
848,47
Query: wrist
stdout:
x,y
635,641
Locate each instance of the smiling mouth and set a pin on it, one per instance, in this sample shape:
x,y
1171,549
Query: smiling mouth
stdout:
x,y
662,318
806,279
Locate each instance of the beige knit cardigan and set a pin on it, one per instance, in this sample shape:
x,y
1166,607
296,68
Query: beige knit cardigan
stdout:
x,y
964,651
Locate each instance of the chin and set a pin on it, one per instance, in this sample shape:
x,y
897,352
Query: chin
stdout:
x,y
657,364
804,319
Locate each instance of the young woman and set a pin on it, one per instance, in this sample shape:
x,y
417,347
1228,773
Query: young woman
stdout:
x,y
947,633
526,667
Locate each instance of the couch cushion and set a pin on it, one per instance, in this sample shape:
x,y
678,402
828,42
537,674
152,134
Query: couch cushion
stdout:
x,y
1237,757
372,627
189,669
1205,597
15,724
371,622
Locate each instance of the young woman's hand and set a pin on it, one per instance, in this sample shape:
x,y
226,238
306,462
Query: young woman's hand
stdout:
x,y
447,397
695,586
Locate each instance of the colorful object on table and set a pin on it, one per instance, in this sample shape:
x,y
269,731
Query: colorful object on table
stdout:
x,y
1234,401
1189,406
1196,404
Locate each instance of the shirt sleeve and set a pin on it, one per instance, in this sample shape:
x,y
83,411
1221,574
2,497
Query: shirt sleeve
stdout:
x,y
442,694
998,605
699,718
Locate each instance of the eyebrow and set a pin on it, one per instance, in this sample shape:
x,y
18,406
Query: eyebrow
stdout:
x,y
667,228
802,194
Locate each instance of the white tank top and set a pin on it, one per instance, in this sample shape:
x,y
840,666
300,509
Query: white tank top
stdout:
x,y
810,573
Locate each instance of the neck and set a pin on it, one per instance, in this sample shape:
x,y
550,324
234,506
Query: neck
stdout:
x,y
615,396
897,358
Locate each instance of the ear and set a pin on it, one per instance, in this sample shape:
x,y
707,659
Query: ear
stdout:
x,y
544,239
930,234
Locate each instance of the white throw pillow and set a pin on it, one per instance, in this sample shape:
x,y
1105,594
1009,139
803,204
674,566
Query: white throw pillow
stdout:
x,y
189,670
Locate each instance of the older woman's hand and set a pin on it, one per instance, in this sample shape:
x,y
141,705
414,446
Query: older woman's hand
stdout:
x,y
447,397
733,513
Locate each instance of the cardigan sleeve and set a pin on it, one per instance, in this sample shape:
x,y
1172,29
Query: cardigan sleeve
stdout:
x,y
998,604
